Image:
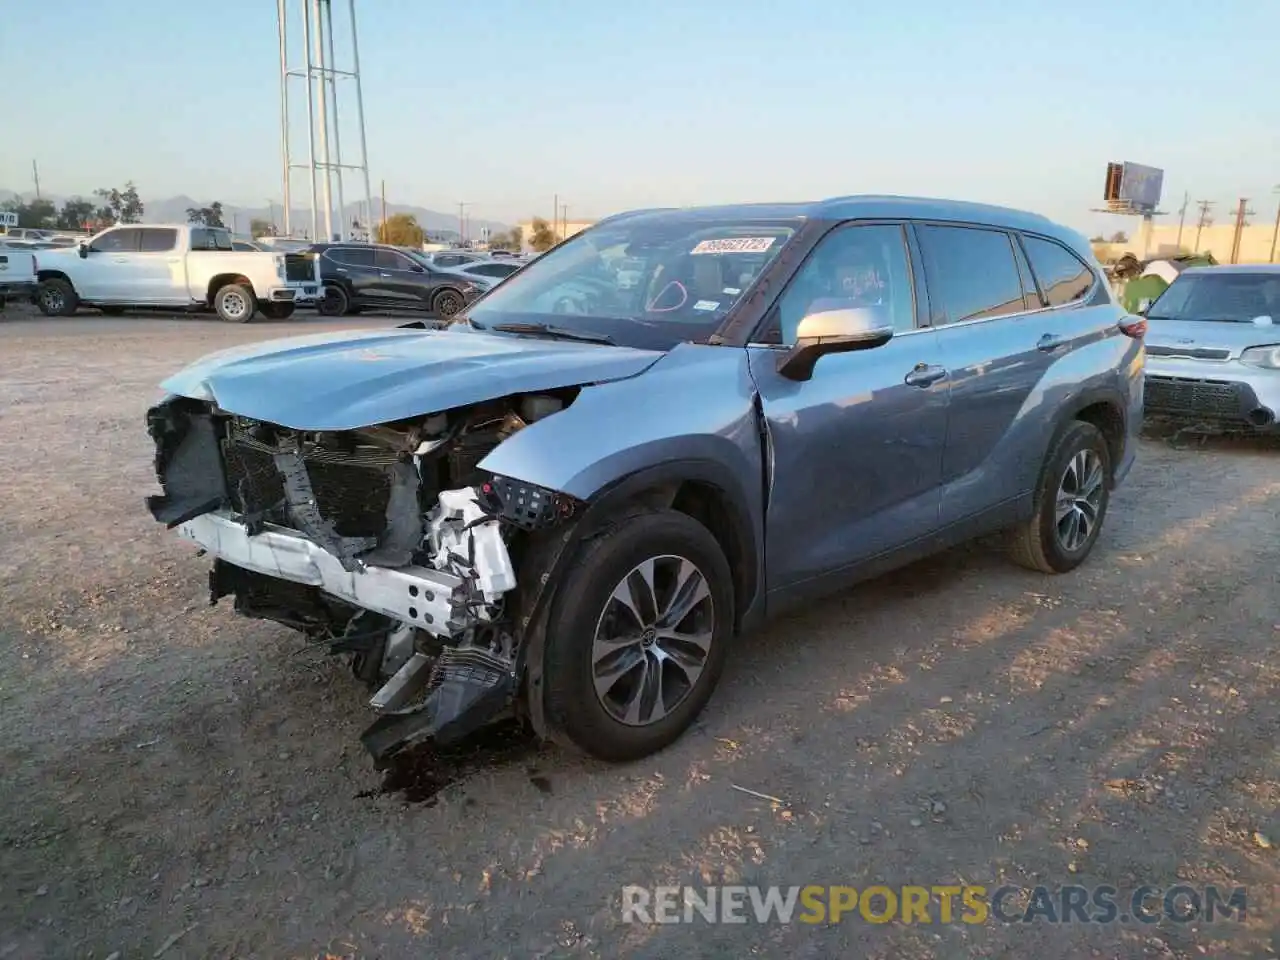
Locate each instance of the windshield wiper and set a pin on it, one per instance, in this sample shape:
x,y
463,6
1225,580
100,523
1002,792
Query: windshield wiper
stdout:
x,y
558,333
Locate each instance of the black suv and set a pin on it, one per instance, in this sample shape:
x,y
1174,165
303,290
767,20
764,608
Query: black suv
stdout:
x,y
371,275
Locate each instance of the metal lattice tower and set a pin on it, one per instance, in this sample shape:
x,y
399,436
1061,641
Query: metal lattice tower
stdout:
x,y
313,25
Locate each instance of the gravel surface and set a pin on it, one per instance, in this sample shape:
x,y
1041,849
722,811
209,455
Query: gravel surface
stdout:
x,y
179,782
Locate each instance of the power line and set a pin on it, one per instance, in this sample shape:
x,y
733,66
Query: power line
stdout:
x,y
1206,219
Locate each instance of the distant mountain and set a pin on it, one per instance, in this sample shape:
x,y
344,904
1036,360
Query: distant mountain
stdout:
x,y
174,210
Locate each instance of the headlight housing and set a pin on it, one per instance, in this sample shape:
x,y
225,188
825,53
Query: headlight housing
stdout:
x,y
280,266
1266,357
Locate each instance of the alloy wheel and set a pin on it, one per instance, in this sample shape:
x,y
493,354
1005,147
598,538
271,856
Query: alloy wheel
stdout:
x,y
233,304
1079,500
652,640
52,300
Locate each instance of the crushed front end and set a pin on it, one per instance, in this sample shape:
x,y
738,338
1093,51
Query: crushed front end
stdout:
x,y
387,543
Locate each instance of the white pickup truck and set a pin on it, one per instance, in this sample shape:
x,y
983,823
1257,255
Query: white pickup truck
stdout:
x,y
17,273
182,267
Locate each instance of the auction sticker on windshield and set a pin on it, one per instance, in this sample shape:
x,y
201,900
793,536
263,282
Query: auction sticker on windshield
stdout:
x,y
735,245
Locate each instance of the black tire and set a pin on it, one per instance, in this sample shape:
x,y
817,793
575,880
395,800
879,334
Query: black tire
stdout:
x,y
334,302
1041,543
56,298
112,311
277,311
583,604
235,303
446,303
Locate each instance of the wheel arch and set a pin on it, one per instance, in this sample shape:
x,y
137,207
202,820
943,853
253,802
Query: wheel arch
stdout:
x,y
220,280
1105,408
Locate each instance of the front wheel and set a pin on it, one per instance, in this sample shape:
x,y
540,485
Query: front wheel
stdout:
x,y
56,298
1070,504
638,634
277,311
446,303
235,303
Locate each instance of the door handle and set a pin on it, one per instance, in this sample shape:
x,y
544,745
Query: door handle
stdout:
x,y
384,274
924,375
121,259
1049,342
342,269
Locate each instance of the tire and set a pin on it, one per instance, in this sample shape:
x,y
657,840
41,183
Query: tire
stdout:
x,y
334,303
277,311
446,303
235,303
112,311
621,723
1045,542
56,298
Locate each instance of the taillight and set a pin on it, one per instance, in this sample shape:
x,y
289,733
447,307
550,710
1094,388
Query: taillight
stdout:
x,y
1135,327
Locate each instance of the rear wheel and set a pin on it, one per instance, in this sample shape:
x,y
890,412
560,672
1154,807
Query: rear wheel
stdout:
x,y
446,303
56,298
235,303
334,302
638,634
1070,504
277,311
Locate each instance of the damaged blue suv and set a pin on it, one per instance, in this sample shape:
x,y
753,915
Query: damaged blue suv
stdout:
x,y
568,503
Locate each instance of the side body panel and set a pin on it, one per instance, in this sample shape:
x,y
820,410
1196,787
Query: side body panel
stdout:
x,y
204,265
856,457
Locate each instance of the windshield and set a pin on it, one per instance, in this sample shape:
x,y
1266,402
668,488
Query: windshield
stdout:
x,y
1227,296
652,281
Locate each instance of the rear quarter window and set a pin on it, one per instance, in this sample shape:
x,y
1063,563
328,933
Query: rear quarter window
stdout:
x,y
1063,277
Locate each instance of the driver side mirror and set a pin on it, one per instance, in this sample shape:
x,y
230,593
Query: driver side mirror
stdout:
x,y
841,330
1143,306
417,269
83,250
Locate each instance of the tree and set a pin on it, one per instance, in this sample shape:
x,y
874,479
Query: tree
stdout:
x,y
120,206
400,230
38,213
1119,237
261,228
75,214
210,216
541,238
1098,239
517,238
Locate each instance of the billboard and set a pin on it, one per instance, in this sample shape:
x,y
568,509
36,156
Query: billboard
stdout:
x,y
8,219
1132,186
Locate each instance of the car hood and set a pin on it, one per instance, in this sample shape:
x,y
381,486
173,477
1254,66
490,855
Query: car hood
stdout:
x,y
358,378
1209,335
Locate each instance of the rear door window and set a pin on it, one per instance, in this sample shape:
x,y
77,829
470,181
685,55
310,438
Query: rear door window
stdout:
x,y
1063,277
971,271
390,260
158,239
353,256
206,238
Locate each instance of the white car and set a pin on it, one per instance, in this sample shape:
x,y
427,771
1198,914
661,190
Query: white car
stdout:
x,y
179,266
17,273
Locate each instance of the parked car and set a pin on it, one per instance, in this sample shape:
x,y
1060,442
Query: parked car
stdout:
x,y
450,259
569,501
181,266
17,273
487,274
246,246
359,276
26,233
1213,348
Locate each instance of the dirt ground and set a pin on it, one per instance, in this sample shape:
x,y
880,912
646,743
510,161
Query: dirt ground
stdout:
x,y
171,771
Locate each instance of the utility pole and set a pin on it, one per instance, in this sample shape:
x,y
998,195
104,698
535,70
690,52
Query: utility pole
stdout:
x,y
555,217
1182,217
382,234
1206,219
1275,234
564,221
1241,213
35,173
271,212
462,221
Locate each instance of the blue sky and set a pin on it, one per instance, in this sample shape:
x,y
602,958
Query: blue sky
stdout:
x,y
613,105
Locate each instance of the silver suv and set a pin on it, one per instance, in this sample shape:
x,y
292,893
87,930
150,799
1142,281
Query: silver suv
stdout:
x,y
569,502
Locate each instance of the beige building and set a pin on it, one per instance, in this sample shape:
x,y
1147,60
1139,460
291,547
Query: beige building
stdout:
x,y
563,229
1257,242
